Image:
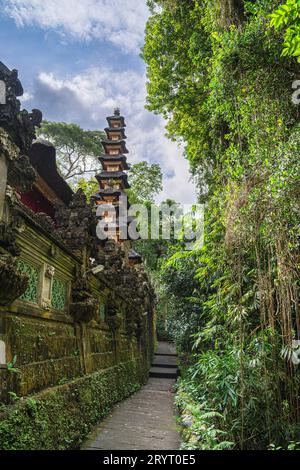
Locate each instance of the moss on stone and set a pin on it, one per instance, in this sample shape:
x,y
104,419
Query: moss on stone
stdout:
x,y
62,417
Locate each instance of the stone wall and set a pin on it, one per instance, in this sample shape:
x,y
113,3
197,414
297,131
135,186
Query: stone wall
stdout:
x,y
48,354
61,417
72,343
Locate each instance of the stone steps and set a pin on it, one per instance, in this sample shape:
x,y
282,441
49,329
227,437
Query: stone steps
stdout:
x,y
164,361
164,354
164,373
164,364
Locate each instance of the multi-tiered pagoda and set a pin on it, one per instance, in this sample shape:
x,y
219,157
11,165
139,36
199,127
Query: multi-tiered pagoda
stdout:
x,y
113,179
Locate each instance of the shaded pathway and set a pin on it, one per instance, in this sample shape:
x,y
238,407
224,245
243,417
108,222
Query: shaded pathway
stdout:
x,y
145,421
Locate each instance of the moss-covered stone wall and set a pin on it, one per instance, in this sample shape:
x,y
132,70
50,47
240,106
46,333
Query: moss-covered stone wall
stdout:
x,y
45,352
61,417
61,375
73,340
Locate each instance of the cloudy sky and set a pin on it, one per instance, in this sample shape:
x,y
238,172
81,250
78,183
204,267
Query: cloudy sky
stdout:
x,y
77,60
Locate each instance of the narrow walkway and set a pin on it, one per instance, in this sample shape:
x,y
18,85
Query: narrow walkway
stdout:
x,y
145,421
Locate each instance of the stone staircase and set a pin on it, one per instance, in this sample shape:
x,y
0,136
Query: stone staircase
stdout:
x,y
164,364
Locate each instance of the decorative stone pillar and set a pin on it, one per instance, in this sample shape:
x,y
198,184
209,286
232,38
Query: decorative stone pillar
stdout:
x,y
84,307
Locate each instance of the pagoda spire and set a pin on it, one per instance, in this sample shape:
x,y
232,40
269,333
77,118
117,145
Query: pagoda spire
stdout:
x,y
113,179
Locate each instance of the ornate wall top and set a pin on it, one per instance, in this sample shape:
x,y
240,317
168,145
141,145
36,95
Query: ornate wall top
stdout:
x,y
19,124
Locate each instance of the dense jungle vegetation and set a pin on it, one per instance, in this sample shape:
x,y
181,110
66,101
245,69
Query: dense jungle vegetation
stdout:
x,y
221,73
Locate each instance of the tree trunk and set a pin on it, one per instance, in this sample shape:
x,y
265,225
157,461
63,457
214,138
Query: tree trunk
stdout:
x,y
231,12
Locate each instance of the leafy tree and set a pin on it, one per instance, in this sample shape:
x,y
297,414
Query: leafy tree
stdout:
x,y
77,149
89,187
146,182
154,250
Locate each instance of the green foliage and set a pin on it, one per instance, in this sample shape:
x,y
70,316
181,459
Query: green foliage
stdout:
x,y
89,187
216,383
177,287
287,17
13,397
60,419
217,73
77,149
146,182
199,425
11,366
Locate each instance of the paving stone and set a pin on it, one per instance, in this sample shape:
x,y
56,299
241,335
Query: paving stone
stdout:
x,y
145,421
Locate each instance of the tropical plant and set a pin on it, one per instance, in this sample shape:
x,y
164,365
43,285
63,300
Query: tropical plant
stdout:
x,y
217,74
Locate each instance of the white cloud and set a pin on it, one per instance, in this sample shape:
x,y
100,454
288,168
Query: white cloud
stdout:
x,y
121,22
89,97
26,97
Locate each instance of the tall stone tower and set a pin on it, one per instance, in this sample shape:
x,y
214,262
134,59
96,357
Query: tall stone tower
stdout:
x,y
113,181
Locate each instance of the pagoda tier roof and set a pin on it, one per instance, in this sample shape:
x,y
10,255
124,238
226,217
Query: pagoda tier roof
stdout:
x,y
115,158
116,129
112,175
107,192
106,142
116,118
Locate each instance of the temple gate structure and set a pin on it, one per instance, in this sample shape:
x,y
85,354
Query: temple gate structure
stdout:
x,y
74,339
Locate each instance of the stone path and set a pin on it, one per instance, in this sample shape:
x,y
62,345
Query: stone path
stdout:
x,y
145,421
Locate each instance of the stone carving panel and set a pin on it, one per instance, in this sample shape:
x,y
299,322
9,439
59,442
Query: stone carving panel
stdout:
x,y
59,294
32,272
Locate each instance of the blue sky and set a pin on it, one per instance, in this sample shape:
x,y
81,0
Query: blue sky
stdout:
x,y
77,60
